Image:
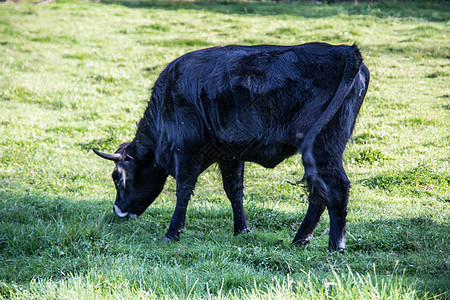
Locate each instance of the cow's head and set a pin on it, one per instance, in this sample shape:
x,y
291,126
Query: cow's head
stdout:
x,y
138,183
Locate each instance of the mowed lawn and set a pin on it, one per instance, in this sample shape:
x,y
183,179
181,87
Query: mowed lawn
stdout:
x,y
77,74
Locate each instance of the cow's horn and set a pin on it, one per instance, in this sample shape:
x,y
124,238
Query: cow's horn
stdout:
x,y
109,156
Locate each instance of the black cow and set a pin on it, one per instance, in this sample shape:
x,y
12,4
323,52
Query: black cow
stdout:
x,y
246,103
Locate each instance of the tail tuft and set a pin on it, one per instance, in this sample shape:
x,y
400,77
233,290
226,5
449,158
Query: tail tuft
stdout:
x,y
317,188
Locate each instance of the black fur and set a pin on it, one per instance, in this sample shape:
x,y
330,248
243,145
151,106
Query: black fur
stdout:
x,y
248,103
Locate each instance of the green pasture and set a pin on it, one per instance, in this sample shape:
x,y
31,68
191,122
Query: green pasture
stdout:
x,y
77,74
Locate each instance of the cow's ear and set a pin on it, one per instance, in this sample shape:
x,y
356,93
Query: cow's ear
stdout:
x,y
126,151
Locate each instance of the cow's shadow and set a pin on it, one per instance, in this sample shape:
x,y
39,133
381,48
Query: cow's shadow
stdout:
x,y
396,234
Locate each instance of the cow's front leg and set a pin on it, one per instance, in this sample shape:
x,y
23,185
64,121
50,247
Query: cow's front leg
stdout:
x,y
233,176
186,177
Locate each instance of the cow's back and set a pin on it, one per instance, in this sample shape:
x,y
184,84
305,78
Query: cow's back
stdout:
x,y
265,96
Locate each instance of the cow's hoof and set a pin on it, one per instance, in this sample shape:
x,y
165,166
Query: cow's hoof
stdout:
x,y
241,231
166,239
171,238
302,239
339,250
300,242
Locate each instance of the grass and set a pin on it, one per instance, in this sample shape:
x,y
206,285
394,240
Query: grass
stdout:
x,y
76,75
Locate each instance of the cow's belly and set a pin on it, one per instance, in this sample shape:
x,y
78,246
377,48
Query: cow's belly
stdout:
x,y
269,156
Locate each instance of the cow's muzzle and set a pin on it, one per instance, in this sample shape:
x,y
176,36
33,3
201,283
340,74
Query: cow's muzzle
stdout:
x,y
122,214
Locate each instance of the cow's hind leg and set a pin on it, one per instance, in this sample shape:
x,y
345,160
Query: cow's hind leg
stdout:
x,y
339,187
329,186
334,196
318,196
309,223
233,175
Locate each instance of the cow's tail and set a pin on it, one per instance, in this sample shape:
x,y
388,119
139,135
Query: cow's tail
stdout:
x,y
316,185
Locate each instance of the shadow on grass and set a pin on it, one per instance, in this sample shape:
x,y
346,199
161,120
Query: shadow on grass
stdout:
x,y
437,11
394,234
47,237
